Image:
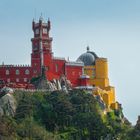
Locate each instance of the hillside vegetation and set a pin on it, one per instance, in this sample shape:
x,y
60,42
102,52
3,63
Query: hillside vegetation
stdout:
x,y
63,116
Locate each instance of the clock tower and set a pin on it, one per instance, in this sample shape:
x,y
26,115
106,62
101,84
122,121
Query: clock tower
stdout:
x,y
41,55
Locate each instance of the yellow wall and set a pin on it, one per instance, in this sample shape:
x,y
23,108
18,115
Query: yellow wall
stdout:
x,y
114,105
101,66
111,91
90,71
102,83
108,96
99,78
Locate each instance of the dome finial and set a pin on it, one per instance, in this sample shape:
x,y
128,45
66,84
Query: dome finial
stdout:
x,y
88,48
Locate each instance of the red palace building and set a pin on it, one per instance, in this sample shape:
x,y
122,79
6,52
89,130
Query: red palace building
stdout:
x,y
42,56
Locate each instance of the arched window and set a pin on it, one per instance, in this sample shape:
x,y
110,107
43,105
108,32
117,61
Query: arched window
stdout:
x,y
7,72
27,72
17,72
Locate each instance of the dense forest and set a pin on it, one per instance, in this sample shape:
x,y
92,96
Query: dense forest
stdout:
x,y
76,115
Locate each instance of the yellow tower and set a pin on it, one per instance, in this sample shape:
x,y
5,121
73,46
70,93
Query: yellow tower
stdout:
x,y
101,68
101,73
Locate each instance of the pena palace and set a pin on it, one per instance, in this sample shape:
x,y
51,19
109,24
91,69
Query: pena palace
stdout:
x,y
88,72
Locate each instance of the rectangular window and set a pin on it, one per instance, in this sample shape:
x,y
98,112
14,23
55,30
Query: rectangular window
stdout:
x,y
44,31
8,80
56,67
47,68
93,73
7,72
35,71
17,80
17,72
25,79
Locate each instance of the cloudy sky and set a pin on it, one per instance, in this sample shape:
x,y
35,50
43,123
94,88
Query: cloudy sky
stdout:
x,y
110,27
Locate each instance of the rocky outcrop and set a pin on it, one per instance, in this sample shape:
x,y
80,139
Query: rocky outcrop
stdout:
x,y
7,105
41,82
100,101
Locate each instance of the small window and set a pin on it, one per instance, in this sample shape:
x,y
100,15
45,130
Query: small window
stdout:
x,y
44,31
8,80
47,68
35,71
56,67
17,80
93,74
27,72
7,72
25,79
17,72
37,31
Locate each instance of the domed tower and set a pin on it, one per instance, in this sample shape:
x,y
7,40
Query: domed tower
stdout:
x,y
89,59
96,68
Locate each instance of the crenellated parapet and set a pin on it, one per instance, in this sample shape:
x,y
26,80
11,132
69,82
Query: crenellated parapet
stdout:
x,y
16,66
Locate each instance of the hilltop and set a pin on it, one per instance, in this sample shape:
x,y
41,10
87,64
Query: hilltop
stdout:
x,y
58,115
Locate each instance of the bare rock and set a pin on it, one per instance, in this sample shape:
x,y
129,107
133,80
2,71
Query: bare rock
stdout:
x,y
7,105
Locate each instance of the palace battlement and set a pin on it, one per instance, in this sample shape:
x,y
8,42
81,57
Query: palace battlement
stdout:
x,y
16,66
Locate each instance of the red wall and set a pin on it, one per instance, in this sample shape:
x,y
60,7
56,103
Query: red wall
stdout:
x,y
58,66
84,82
73,74
12,74
56,69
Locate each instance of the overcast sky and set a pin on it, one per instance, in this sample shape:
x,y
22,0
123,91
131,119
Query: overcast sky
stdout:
x,y
110,27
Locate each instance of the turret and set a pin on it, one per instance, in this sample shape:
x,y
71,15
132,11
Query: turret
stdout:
x,y
48,26
101,73
33,25
101,68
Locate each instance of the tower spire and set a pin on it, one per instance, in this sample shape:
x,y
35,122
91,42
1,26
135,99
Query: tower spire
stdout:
x,y
41,17
48,25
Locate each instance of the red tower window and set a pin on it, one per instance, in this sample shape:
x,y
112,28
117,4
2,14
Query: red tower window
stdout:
x,y
8,80
7,72
17,72
25,79
27,72
17,80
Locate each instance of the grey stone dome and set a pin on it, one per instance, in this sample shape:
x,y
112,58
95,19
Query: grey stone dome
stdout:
x,y
87,58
